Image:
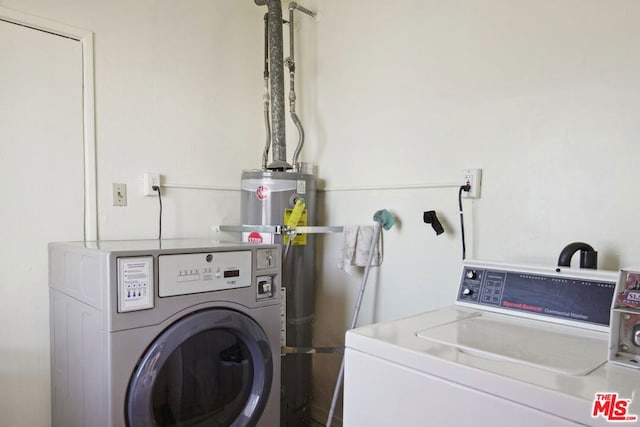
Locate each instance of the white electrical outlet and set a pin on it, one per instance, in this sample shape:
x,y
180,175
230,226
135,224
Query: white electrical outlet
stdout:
x,y
150,180
473,178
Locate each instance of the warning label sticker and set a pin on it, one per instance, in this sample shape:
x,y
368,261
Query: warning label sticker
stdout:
x,y
300,239
255,237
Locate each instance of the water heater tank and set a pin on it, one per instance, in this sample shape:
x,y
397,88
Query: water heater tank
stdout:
x,y
268,198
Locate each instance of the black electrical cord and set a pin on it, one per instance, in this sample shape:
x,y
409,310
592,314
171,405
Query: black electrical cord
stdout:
x,y
464,247
156,188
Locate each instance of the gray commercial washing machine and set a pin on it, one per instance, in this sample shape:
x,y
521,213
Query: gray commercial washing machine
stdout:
x,y
163,333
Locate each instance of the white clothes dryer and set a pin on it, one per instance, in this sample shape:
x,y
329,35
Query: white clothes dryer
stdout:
x,y
164,333
523,346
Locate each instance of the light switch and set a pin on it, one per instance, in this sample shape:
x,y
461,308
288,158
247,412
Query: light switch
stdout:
x,y
119,194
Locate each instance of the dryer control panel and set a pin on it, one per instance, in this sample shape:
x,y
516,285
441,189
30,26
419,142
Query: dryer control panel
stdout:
x,y
182,274
566,295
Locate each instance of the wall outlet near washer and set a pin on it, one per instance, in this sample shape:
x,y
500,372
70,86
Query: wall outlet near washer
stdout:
x,y
473,178
150,180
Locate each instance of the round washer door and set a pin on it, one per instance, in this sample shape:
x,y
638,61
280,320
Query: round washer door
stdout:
x,y
211,368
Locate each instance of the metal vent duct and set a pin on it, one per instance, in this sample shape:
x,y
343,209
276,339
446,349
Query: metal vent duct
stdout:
x,y
276,76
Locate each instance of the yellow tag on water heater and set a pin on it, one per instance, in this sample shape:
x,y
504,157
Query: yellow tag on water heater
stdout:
x,y
300,239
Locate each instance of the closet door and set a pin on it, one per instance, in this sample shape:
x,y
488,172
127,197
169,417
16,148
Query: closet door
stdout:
x,y
42,200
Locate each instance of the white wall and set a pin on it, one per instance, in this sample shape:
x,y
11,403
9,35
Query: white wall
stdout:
x,y
178,90
544,96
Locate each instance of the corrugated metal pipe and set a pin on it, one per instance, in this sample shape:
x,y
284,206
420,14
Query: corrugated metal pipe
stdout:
x,y
276,77
266,97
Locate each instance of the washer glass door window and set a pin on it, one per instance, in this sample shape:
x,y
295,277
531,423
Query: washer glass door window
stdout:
x,y
212,368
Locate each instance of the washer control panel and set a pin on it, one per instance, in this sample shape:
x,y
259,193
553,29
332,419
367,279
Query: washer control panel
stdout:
x,y
182,274
572,295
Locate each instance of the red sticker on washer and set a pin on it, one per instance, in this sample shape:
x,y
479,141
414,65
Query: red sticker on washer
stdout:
x,y
262,192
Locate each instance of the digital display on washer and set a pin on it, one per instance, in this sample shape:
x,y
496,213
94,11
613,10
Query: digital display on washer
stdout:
x,y
561,297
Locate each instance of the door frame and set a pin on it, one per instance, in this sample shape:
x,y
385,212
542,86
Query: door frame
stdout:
x,y
85,38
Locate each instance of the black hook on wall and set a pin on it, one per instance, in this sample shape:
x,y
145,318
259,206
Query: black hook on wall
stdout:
x,y
430,217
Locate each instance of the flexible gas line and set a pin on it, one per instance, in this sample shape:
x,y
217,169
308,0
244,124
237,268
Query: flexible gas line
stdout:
x,y
291,64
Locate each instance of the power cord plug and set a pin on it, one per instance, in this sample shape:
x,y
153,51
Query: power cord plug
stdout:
x,y
465,187
156,188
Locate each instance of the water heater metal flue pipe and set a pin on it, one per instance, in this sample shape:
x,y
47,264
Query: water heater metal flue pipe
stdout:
x,y
276,76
